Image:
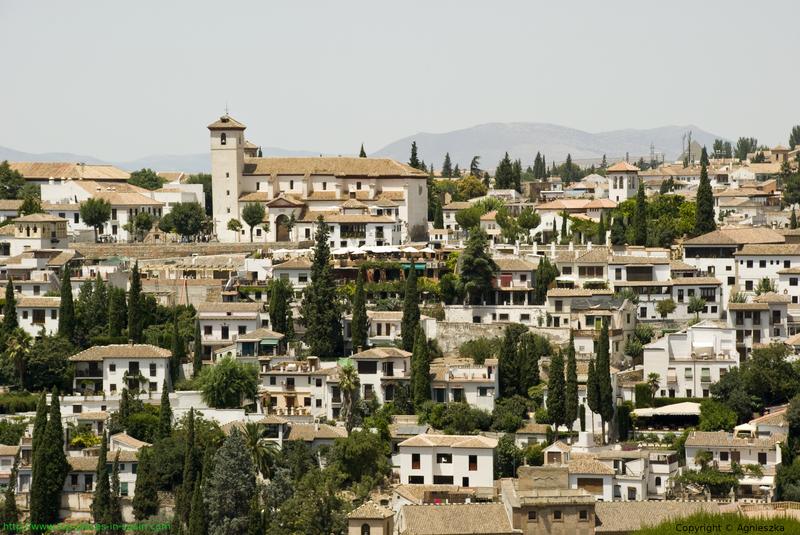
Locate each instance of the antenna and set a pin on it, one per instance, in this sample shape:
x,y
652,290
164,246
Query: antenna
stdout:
x,y
226,107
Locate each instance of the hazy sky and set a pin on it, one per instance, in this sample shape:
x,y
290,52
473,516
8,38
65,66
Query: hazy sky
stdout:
x,y
124,81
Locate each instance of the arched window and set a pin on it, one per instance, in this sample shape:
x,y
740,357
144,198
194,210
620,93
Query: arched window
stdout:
x,y
223,139
658,481
364,529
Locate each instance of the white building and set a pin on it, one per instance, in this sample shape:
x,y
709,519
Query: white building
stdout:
x,y
299,387
384,327
761,320
623,181
34,231
109,369
381,370
690,361
461,380
222,323
38,315
318,184
464,460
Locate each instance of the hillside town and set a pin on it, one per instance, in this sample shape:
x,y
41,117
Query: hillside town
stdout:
x,y
360,345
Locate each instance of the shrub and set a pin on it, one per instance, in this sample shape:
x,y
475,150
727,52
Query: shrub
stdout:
x,y
15,402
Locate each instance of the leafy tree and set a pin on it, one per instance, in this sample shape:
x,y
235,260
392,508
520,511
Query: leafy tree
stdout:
x,y
665,307
744,146
363,458
234,225
135,306
556,395
410,321
358,325
31,204
66,312
227,384
477,268
696,306
715,416
141,225
765,285
640,217
321,309
10,322
722,149
705,205
47,364
262,451
618,231
205,180
11,182
475,166
509,413
51,469
546,274
167,223
315,507
420,370
571,388
469,218
145,499
147,179
253,214
231,487
186,218
508,457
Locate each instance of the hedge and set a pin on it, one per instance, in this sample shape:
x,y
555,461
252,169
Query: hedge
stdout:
x,y
13,403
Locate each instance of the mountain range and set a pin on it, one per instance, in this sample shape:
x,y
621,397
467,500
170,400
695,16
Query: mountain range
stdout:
x,y
489,141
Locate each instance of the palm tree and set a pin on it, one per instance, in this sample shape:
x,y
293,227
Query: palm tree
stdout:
x,y
653,382
263,451
349,387
18,346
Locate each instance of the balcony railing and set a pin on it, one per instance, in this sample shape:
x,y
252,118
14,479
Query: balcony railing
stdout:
x,y
94,374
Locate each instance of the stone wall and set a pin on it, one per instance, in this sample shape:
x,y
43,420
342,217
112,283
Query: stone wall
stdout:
x,y
451,334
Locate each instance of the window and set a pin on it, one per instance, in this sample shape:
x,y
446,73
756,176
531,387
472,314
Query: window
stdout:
x,y
762,458
524,318
303,277
748,285
123,488
152,369
77,409
559,306
24,314
54,314
306,401
688,392
731,281
223,139
416,480
318,383
761,264
631,493
113,387
484,391
272,380
557,515
444,458
242,329
723,456
415,461
367,367
531,516
365,529
207,330
473,463
658,481
749,263
38,316
153,386
792,281
583,515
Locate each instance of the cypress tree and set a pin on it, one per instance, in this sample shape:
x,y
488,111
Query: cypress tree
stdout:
x,y
555,230
571,389
508,366
640,218
39,422
135,306
117,312
546,273
504,174
10,309
362,153
51,468
603,371
124,407
66,312
438,216
101,500
601,231
165,414
618,231
197,358
792,221
528,356
704,218
556,402
115,502
321,310
414,160
592,392
197,518
516,175
564,236
358,325
408,327
447,166
191,464
10,513
145,499
704,157
229,490
178,349
456,172
99,304
420,370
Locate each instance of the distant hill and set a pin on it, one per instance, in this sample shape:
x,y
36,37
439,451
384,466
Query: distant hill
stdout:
x,y
188,163
522,140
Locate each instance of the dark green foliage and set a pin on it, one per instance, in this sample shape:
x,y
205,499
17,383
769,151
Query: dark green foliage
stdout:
x,y
281,294
143,425
601,231
10,322
447,166
95,212
358,325
603,371
115,505
793,220
198,520
515,360
704,221
321,308
230,488
479,349
39,421
11,182
9,514
362,153
531,347
51,468
11,430
197,354
504,174
147,179
744,146
165,414
624,421
454,418
145,499
546,273
205,180
135,306
508,457
178,349
618,231
253,214
315,507
556,395
413,161
101,499
477,268
186,219
117,312
643,395
364,459
640,218
716,416
509,414
228,384
571,387
420,370
410,322
66,312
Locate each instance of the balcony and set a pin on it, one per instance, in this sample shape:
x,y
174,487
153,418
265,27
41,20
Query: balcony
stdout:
x,y
89,373
287,385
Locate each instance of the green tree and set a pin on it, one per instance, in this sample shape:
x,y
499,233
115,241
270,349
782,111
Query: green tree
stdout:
x,y
234,225
603,371
191,471
765,285
115,505
198,519
135,306
413,161
696,306
744,146
205,180
716,416
11,182
349,387
556,395
227,384
477,268
420,370
571,387
178,356
281,294
10,322
262,451
66,311
447,166
793,220
141,225
51,469
117,312
704,221
504,174
145,499
197,356
508,457
321,308
316,506
39,422
362,153
665,307
31,204
147,179
253,214
601,231
186,219
410,321
358,325
231,487
10,512
704,157
546,274
101,500
640,218
165,414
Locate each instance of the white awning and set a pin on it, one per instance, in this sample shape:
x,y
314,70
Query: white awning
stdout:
x,y
687,408
409,250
